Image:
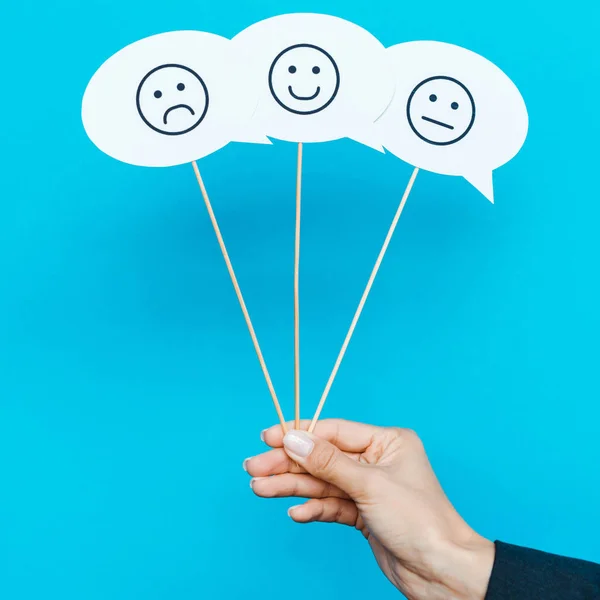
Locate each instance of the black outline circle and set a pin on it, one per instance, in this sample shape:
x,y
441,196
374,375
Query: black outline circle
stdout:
x,y
139,109
410,120
335,91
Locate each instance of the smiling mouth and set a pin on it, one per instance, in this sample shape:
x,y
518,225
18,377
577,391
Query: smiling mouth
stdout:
x,y
175,108
438,123
291,91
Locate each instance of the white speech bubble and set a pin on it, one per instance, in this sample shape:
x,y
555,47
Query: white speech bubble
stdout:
x,y
170,99
453,112
321,78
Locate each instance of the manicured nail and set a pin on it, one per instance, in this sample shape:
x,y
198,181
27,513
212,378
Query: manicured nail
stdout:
x,y
245,464
262,435
292,509
255,479
298,443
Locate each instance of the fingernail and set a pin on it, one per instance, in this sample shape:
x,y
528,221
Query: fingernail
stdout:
x,y
245,464
293,508
298,443
262,435
254,480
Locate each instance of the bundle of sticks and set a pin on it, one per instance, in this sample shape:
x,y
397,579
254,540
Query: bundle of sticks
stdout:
x,y
357,312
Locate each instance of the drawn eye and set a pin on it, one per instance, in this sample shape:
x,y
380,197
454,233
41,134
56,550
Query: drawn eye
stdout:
x,y
180,87
292,69
454,105
316,70
432,98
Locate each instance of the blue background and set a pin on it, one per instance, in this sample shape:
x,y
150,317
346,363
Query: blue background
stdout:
x,y
129,389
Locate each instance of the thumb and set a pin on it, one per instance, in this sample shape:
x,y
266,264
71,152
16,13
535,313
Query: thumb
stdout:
x,y
326,462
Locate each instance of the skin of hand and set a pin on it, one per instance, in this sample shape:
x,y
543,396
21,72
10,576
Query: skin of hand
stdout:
x,y
378,480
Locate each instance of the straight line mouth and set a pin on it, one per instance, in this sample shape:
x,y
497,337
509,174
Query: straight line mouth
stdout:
x,y
437,123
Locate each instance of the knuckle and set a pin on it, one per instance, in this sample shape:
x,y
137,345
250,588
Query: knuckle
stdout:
x,y
408,437
327,490
413,441
317,508
339,511
295,487
336,436
324,460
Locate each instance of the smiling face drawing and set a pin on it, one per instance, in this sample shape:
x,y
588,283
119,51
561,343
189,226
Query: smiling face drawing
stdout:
x,y
304,79
441,110
172,99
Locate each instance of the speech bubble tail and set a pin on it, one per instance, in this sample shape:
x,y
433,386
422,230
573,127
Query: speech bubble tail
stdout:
x,y
368,138
483,182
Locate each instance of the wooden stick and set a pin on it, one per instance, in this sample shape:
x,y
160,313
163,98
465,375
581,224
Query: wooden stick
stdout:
x,y
297,291
238,292
361,304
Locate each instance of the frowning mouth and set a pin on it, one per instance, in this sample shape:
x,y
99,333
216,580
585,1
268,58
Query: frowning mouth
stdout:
x,y
437,123
175,108
291,91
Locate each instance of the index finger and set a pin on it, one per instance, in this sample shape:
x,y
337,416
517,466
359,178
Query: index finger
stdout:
x,y
348,436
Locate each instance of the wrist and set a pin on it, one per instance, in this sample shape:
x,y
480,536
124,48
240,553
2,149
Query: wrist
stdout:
x,y
461,568
456,569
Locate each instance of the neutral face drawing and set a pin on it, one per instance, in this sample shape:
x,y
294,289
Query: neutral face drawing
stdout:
x,y
304,79
441,110
172,99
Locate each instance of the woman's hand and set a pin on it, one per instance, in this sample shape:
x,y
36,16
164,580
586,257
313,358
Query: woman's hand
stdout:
x,y
378,480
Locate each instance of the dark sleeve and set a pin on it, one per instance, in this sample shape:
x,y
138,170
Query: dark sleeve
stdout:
x,y
524,574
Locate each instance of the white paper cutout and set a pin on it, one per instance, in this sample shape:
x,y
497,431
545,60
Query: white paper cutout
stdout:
x,y
321,78
170,99
453,112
